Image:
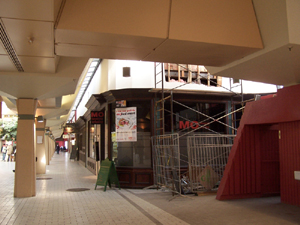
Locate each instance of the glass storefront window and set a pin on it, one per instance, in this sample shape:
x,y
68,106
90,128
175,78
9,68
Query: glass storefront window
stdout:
x,y
94,140
134,154
193,115
191,118
91,152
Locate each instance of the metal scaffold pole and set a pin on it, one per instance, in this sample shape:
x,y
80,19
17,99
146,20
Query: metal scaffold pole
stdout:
x,y
207,154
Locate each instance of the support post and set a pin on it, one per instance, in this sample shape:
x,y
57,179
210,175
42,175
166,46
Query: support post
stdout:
x,y
25,168
40,148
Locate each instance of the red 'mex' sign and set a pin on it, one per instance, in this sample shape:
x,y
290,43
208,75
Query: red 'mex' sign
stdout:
x,y
192,124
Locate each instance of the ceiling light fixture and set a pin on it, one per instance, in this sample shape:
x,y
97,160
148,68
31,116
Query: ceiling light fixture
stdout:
x,y
30,40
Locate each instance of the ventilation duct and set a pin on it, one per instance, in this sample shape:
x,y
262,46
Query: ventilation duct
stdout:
x,y
9,48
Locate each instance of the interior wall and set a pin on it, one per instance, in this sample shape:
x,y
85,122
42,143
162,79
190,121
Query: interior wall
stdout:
x,y
289,145
254,169
269,150
282,112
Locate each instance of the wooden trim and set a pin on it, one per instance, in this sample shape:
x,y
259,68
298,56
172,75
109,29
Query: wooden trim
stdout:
x,y
124,182
149,174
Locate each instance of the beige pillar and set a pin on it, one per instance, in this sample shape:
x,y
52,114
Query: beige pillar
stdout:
x,y
25,174
52,147
47,148
40,147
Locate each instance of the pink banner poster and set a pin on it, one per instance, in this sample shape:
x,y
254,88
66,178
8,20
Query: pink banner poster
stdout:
x,y
126,124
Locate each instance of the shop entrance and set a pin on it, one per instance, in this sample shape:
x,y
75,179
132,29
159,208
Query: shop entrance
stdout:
x,y
98,142
269,149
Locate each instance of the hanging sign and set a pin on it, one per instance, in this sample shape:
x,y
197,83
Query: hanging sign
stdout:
x,y
126,130
97,117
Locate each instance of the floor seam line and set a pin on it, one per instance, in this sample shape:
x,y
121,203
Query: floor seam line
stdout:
x,y
145,213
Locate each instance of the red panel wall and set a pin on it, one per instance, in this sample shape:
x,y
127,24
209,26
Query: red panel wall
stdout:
x,y
269,148
60,143
290,162
254,171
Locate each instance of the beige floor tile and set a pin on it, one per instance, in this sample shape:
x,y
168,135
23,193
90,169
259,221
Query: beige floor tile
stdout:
x,y
53,204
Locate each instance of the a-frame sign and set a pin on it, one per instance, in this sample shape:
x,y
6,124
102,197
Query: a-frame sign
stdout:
x,y
107,174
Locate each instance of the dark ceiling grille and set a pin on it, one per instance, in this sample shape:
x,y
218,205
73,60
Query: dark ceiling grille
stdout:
x,y
9,48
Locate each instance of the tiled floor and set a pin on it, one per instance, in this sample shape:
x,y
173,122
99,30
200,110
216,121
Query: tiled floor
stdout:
x,y
53,204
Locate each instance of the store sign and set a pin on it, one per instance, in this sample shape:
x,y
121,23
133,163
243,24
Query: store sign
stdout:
x,y
121,103
97,117
126,130
192,124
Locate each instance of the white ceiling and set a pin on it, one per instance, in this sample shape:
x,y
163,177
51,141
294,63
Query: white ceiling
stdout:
x,y
53,40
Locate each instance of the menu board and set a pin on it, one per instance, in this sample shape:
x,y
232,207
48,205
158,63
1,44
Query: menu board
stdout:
x,y
126,129
107,174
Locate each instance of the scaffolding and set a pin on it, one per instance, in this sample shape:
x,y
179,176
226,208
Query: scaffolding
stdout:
x,y
166,162
159,103
207,154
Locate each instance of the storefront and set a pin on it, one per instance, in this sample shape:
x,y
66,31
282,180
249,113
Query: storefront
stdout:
x,y
127,124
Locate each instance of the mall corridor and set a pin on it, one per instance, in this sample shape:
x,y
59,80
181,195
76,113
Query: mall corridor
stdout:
x,y
66,195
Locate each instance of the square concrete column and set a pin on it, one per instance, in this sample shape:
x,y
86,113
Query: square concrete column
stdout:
x,y
41,158
47,148
25,168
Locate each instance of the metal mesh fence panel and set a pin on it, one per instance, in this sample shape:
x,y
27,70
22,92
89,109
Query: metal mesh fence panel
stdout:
x,y
207,155
166,161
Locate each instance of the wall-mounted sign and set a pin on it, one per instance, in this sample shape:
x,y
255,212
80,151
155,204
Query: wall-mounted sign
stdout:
x,y
121,103
192,124
126,124
97,117
113,137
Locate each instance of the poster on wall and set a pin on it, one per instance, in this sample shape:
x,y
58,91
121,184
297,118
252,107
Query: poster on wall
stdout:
x,y
121,103
126,124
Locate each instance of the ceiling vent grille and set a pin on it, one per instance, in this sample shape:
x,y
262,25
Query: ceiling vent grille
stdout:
x,y
9,48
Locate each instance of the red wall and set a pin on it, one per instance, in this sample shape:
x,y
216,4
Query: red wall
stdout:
x,y
254,169
60,143
269,153
261,162
289,162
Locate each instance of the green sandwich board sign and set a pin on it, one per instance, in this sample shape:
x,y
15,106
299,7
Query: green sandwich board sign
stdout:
x,y
107,174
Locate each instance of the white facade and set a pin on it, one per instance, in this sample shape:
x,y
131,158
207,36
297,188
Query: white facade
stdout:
x,y
109,76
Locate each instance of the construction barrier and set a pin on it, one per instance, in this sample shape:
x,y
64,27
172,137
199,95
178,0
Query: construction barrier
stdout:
x,y
166,162
207,155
